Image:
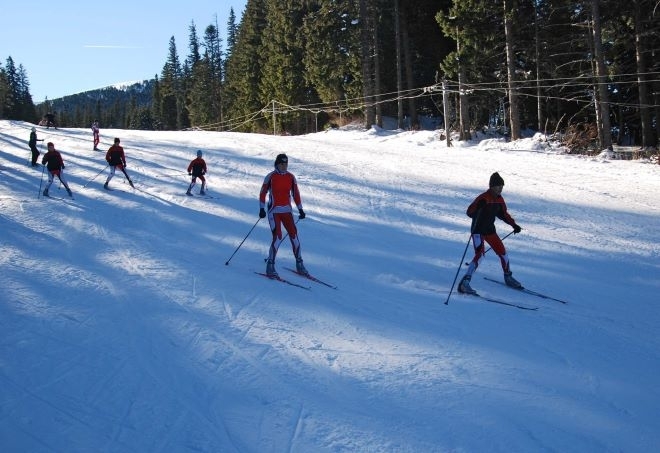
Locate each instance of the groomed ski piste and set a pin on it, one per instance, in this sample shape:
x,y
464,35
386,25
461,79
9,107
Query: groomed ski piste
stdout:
x,y
123,330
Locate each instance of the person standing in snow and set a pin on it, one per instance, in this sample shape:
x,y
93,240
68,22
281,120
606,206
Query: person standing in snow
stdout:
x,y
281,186
482,211
33,146
97,134
55,164
50,120
116,160
197,169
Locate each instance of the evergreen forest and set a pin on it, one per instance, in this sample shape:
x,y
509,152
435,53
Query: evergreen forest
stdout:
x,y
587,69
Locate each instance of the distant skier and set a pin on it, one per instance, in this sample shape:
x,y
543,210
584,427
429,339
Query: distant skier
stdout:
x,y
33,146
483,210
197,169
116,159
50,120
281,186
55,164
96,132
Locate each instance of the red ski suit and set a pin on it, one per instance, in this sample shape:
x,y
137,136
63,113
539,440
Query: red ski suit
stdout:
x,y
483,227
281,187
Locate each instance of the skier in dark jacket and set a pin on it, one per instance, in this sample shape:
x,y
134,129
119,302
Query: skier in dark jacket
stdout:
x,y
55,164
50,120
97,134
116,159
33,146
197,169
483,211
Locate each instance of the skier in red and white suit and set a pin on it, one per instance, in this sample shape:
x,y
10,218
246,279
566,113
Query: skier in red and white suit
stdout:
x,y
281,186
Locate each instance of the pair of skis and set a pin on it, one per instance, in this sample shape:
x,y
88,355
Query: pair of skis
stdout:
x,y
521,289
289,282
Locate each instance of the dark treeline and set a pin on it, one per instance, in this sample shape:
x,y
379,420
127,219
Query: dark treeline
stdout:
x,y
588,68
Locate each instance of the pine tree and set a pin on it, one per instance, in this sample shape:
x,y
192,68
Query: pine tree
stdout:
x,y
244,69
214,67
331,54
282,69
170,90
10,100
4,90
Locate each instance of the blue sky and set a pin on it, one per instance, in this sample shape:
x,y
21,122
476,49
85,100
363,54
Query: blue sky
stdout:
x,y
74,46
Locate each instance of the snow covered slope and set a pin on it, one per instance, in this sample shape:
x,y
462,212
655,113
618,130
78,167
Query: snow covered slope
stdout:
x,y
122,329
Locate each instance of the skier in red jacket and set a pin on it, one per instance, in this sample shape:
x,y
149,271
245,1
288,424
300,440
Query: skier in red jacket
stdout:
x,y
55,164
116,159
197,169
483,210
281,186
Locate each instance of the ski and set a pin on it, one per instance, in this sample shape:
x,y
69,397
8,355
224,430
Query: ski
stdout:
x,y
200,196
311,277
501,302
283,280
68,200
70,197
527,291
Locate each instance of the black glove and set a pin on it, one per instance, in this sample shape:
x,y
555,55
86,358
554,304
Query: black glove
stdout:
x,y
262,213
189,174
124,164
301,214
63,167
516,229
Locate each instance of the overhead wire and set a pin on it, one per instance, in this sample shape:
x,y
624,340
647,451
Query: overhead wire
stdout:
x,y
349,105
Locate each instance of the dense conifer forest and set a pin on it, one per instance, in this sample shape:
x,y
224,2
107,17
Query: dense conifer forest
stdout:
x,y
588,69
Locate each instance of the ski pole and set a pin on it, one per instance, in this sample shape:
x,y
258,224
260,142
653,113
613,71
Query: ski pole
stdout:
x,y
41,181
458,270
475,222
239,245
102,170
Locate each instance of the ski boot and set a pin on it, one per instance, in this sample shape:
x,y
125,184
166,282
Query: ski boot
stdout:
x,y
270,269
46,192
510,281
69,192
300,267
464,286
105,186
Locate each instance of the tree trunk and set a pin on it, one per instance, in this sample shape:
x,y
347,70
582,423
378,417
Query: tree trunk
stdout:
x,y
644,99
462,104
514,115
540,117
604,127
367,63
399,65
410,78
376,54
